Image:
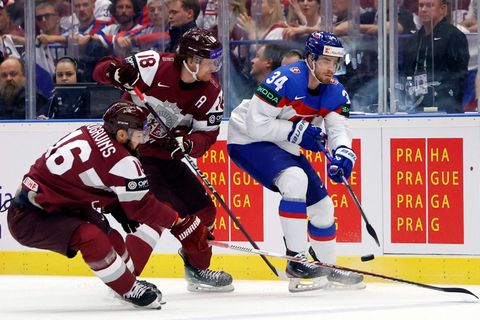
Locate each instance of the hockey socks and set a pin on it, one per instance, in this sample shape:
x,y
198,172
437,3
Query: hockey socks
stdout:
x,y
293,217
322,241
98,253
140,245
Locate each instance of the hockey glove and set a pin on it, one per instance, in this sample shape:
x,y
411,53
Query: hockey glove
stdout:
x,y
342,164
123,76
305,135
129,226
182,144
192,234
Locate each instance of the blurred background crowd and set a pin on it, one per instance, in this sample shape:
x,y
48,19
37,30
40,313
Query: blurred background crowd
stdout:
x,y
402,56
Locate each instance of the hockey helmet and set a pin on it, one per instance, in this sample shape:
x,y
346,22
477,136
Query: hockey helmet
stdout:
x,y
200,42
125,115
323,43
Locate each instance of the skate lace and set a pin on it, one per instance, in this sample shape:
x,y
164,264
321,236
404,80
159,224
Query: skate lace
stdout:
x,y
209,274
137,291
305,263
341,272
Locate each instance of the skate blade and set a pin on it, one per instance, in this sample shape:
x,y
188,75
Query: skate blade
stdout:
x,y
336,286
302,285
200,287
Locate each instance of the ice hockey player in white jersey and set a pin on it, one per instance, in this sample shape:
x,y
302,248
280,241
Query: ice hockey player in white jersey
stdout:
x,y
264,139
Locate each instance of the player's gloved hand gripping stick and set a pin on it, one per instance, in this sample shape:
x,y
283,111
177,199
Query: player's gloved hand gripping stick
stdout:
x,y
205,180
370,229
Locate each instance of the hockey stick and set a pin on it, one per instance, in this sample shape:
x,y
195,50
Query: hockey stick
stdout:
x,y
370,229
332,266
205,180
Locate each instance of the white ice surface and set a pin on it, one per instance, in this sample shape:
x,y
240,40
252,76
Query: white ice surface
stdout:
x,y
87,298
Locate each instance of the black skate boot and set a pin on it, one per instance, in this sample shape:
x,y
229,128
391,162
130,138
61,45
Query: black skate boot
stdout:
x,y
201,280
340,279
304,276
142,295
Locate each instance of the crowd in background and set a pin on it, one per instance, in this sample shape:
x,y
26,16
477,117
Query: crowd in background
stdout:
x,y
72,36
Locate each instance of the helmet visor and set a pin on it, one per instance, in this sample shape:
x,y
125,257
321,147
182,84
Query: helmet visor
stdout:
x,y
139,136
214,65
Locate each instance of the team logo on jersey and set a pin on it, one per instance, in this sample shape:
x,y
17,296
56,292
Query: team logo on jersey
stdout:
x,y
295,69
214,118
345,110
136,184
268,95
170,115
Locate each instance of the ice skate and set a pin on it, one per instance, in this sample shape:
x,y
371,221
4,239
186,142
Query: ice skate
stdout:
x,y
143,295
206,280
304,276
340,279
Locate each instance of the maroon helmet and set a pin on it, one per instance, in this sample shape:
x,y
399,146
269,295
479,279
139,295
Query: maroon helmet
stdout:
x,y
201,43
125,115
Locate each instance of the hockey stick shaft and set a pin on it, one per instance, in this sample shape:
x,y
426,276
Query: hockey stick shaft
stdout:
x,y
370,229
332,266
199,173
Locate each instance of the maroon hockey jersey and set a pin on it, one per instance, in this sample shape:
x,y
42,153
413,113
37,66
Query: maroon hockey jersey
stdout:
x,y
196,106
89,168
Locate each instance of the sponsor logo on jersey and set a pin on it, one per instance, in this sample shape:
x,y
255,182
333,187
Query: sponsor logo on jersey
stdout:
x,y
214,118
267,94
295,69
136,184
345,110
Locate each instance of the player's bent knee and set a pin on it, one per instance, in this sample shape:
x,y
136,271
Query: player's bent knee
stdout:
x,y
320,214
292,183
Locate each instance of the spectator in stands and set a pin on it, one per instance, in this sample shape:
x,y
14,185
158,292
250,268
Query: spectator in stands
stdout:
x,y
470,21
155,34
12,90
115,36
48,24
68,104
308,13
267,59
437,58
269,25
102,11
90,49
291,56
368,19
6,24
181,16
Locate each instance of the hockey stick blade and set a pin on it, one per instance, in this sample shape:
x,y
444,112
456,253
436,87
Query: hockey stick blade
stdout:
x,y
200,174
332,266
370,229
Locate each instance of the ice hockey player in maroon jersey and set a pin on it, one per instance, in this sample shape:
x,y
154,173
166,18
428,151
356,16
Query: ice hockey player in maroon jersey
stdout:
x,y
57,205
184,92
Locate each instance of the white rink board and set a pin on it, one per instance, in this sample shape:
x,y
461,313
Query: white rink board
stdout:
x,y
24,142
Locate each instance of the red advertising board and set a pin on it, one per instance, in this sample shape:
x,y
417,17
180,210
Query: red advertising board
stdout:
x,y
426,184
214,165
445,190
245,199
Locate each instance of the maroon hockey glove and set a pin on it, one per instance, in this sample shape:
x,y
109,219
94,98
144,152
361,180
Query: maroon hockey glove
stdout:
x,y
123,76
193,234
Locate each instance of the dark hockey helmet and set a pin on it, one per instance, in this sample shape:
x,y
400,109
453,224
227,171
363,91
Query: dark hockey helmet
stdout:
x,y
323,43
125,115
201,43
